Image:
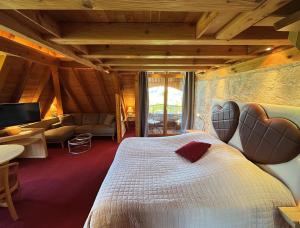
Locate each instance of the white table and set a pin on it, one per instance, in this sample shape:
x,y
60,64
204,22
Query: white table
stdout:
x,y
9,152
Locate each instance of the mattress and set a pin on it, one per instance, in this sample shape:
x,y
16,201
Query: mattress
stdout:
x,y
148,185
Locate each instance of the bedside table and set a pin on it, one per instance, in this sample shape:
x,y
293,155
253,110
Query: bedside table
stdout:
x,y
291,215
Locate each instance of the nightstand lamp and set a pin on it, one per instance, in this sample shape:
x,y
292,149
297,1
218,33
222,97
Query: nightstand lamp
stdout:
x,y
130,111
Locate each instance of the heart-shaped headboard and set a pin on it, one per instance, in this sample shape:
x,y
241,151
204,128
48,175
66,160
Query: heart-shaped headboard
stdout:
x,y
225,120
267,140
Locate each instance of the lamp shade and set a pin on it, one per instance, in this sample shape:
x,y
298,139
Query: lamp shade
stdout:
x,y
129,109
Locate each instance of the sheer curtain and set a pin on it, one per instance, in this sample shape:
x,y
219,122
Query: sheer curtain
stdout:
x,y
144,103
188,101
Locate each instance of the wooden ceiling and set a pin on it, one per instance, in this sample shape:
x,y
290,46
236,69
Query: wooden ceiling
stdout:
x,y
127,35
63,90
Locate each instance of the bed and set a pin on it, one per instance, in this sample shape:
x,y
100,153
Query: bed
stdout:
x,y
148,185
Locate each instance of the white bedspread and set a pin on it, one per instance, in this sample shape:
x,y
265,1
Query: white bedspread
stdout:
x,y
148,185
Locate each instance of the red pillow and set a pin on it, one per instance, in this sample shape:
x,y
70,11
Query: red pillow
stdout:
x,y
193,151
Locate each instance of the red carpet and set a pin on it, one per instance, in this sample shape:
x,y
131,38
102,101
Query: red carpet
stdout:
x,y
60,190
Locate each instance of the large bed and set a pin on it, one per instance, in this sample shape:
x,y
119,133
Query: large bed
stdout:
x,y
148,185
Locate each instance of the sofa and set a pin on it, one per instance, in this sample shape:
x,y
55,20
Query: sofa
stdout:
x,y
60,129
54,132
98,124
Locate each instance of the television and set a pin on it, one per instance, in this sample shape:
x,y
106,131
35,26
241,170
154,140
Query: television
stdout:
x,y
19,113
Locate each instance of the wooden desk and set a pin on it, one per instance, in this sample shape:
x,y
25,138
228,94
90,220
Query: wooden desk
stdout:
x,y
33,139
9,152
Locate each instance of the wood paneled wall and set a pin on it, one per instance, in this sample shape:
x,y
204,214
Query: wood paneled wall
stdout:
x,y
82,90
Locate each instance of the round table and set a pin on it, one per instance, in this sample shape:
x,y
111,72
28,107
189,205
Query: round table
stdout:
x,y
9,152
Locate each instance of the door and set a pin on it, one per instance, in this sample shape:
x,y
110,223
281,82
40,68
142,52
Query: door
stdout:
x,y
165,104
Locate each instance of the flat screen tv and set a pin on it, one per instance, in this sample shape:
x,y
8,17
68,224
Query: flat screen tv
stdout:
x,y
19,113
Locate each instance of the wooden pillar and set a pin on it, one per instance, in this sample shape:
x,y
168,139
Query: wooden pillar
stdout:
x,y
118,117
4,71
57,90
2,59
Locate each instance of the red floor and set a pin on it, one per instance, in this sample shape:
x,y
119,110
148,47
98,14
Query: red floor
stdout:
x,y
59,191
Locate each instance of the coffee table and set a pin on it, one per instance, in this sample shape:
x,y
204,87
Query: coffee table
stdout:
x,y
80,144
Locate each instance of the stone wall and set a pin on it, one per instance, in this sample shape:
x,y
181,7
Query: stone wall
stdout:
x,y
274,85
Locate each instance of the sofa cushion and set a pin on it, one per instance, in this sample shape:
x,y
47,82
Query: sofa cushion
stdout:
x,y
59,134
77,118
90,118
109,119
67,120
101,118
83,129
101,129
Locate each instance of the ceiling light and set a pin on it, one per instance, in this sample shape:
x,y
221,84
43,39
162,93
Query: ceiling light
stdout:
x,y
268,49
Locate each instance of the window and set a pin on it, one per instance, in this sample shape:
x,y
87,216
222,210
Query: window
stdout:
x,y
165,104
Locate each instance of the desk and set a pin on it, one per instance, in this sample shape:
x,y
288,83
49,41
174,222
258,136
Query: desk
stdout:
x,y
33,139
9,152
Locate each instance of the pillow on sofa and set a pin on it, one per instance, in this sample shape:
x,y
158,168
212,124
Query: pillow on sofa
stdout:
x,y
109,119
193,151
101,118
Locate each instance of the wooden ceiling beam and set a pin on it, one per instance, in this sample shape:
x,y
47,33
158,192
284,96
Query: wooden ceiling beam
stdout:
x,y
41,20
245,20
15,27
4,73
131,5
159,68
162,62
169,52
203,23
57,89
72,64
290,23
80,48
47,105
16,49
151,34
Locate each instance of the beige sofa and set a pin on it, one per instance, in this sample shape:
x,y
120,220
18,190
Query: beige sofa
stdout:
x,y
58,130
98,124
